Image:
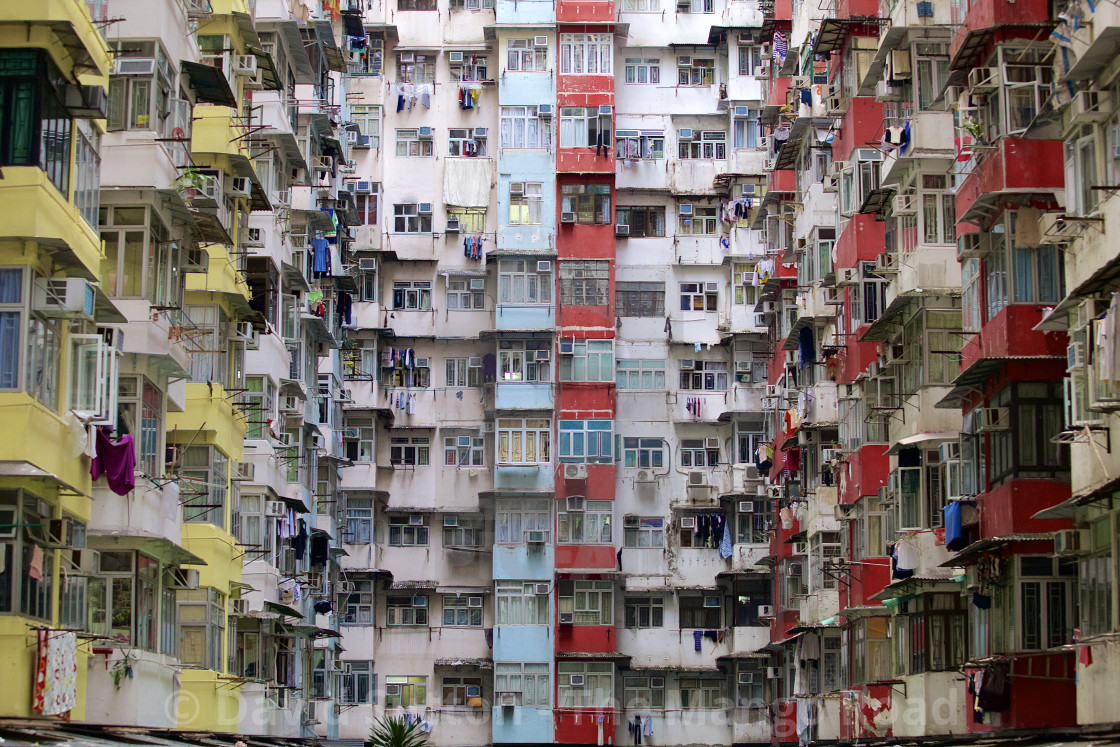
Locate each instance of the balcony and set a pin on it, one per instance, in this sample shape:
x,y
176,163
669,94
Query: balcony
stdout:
x,y
74,40
221,276
699,407
519,12
694,176
582,725
746,558
42,450
972,39
584,161
34,210
1011,333
210,413
216,130
150,706
522,724
533,478
522,562
931,136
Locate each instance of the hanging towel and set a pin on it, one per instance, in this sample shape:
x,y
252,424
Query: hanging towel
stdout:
x,y
725,547
117,461
697,637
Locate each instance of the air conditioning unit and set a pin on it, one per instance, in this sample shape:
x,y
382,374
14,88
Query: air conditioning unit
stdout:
x,y
567,618
605,110
184,578
795,569
576,680
685,133
455,58
452,225
762,70
567,217
540,41
424,133
535,537
830,455
275,508
282,198
684,61
995,418
243,471
773,672
904,205
544,111
685,209
424,208
541,589
746,507
66,298
1067,542
575,471
1088,107
621,229
644,475
688,522
59,532
765,610
746,678
479,133
981,79
239,606
575,503
245,64
1075,356
507,700
85,562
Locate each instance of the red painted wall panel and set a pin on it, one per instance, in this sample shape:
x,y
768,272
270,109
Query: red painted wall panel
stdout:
x,y
581,725
1008,509
585,639
1043,695
1011,332
1014,164
599,485
864,116
862,239
585,557
985,14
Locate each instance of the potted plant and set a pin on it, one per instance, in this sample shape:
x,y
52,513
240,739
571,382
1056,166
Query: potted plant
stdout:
x,y
190,181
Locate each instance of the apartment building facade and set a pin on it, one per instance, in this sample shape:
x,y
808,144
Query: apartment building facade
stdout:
x,y
558,372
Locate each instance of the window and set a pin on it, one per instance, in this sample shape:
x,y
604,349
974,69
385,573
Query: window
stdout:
x,y
596,690
523,56
643,693
752,528
525,200
140,413
463,451
524,281
123,599
637,375
643,453
464,372
522,128
640,70
523,441
645,612
588,54
701,221
939,212
210,327
822,547
744,285
260,405
750,59
530,681
368,119
461,142
589,526
589,203
1045,602
703,376
202,627
357,683
472,68
642,221
513,518
930,636
416,5
410,530
586,441
358,607
701,693
518,603
1025,448
640,299
696,6
524,360
409,451
583,127
584,282
140,259
642,6
466,294
1097,578
591,602
701,72
870,650
406,692
416,68
204,485
358,439
462,531
635,145
139,93
253,528
644,531
409,143
711,145
591,360
701,612
698,452
407,610
418,374
413,295
35,130
461,612
871,297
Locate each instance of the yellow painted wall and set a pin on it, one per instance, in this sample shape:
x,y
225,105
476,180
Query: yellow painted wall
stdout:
x,y
206,703
209,410
72,13
17,662
41,437
32,207
221,276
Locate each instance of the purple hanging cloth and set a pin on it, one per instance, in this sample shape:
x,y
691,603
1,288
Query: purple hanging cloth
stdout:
x,y
117,461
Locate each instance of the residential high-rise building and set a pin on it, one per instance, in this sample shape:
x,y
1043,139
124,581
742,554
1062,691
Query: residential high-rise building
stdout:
x,y
571,372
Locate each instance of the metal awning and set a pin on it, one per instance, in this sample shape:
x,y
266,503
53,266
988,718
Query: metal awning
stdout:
x,y
283,609
209,84
325,34
162,548
911,585
877,201
210,228
1104,280
882,328
989,544
352,23
835,31
969,381
921,438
